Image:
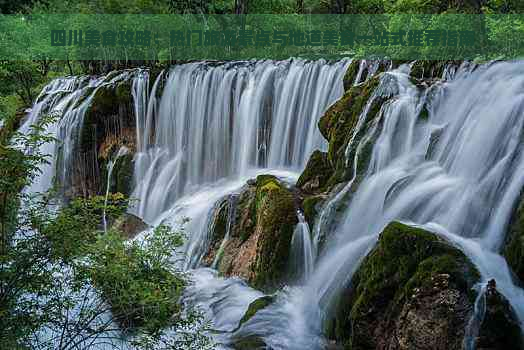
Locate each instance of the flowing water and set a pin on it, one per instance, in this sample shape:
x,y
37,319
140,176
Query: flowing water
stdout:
x,y
204,129
121,152
215,122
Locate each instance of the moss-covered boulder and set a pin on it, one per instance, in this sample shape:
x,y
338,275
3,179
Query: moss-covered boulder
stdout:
x,y
412,291
338,124
500,328
129,225
260,235
513,249
315,176
255,306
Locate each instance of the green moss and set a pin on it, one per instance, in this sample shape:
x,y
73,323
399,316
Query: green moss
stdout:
x,y
351,74
311,205
338,124
513,249
276,219
245,214
317,169
404,258
256,306
339,121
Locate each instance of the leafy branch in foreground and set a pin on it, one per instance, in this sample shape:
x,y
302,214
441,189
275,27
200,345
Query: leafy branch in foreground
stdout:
x,y
65,284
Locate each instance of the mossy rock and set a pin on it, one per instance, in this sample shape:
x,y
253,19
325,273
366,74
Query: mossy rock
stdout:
x,y
249,343
338,123
276,219
311,206
316,174
500,328
258,249
408,266
122,176
513,249
218,232
427,69
255,306
351,74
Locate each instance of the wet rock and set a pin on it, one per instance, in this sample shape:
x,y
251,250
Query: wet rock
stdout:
x,y
513,249
260,238
109,123
412,291
249,343
219,229
255,306
129,225
315,176
431,70
500,328
312,205
338,124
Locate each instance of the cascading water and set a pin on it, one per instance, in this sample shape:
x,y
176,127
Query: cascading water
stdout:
x,y
215,122
66,100
110,166
452,187
302,252
456,172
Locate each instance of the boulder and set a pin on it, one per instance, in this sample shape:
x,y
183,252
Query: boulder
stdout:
x,y
129,225
513,249
260,239
412,291
500,327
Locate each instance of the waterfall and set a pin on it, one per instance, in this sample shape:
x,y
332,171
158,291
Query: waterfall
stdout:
x,y
302,252
220,121
231,211
205,128
121,152
462,187
67,100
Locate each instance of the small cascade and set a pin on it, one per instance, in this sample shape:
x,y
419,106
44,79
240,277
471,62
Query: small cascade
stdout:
x,y
121,152
302,252
67,100
231,212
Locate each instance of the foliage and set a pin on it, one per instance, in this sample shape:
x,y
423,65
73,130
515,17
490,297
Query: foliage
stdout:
x,y
64,284
138,281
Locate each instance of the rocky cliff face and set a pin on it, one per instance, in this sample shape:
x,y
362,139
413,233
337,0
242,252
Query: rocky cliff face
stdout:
x,y
513,248
109,123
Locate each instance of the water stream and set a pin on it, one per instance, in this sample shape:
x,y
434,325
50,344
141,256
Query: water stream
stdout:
x,y
205,129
